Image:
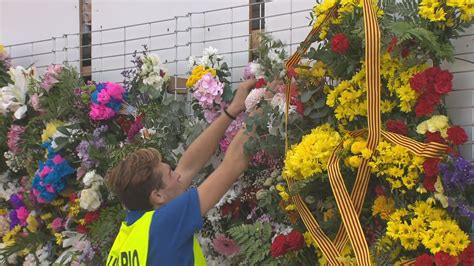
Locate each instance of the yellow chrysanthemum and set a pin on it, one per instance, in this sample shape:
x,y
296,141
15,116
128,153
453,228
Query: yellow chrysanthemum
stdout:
x,y
197,74
311,155
383,206
2,49
400,167
32,223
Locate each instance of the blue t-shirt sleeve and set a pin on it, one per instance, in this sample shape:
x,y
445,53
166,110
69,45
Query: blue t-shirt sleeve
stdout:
x,y
178,220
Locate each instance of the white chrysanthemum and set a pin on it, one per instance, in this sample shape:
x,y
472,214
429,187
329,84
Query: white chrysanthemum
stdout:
x,y
254,98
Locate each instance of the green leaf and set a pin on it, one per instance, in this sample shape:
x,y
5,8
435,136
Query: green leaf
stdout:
x,y
306,96
227,95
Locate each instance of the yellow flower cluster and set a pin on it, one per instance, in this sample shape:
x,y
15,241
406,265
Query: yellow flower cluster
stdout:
x,y
349,98
400,167
311,155
313,74
2,49
421,223
321,11
282,192
437,123
197,74
51,129
435,10
399,85
9,237
383,206
358,148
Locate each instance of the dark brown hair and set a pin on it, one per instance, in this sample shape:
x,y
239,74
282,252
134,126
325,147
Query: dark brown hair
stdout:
x,y
134,178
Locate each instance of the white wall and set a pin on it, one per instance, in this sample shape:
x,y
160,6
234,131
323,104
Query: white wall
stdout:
x,y
460,102
31,20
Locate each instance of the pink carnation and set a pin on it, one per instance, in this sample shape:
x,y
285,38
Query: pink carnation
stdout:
x,y
103,97
208,90
57,224
14,138
22,214
114,90
254,98
99,112
225,246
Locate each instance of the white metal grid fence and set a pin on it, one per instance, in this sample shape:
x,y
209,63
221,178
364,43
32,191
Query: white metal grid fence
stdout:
x,y
175,39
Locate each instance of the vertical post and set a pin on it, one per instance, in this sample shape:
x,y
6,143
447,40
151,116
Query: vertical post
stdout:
x,y
100,72
149,36
175,55
32,53
291,26
231,67
65,47
124,47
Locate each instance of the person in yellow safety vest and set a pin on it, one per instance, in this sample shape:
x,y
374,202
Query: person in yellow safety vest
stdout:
x,y
162,213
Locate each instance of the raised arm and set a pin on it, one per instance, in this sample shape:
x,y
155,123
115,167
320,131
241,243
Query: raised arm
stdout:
x,y
201,150
234,164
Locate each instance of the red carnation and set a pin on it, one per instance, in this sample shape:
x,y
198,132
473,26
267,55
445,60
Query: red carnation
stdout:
x,y
467,256
339,43
279,246
380,190
419,82
444,82
405,52
91,217
424,260
397,126
457,135
392,44
431,166
434,137
444,259
299,105
260,83
82,229
232,209
295,240
426,103
429,182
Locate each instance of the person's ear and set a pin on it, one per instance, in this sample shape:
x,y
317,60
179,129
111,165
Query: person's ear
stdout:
x,y
157,198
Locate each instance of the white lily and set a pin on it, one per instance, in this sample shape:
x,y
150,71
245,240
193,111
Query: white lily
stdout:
x,y
13,96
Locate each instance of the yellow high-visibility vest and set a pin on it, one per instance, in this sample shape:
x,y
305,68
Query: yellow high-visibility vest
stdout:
x,y
130,247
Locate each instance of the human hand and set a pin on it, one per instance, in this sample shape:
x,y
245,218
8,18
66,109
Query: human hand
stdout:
x,y
238,103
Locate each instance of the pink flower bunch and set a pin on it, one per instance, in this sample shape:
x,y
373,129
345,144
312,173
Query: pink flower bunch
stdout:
x,y
14,138
208,90
107,100
50,77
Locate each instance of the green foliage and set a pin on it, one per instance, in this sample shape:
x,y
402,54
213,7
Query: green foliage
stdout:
x,y
104,230
401,10
61,102
4,77
406,31
254,241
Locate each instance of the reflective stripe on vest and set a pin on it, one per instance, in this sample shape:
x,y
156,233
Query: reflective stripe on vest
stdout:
x,y
130,247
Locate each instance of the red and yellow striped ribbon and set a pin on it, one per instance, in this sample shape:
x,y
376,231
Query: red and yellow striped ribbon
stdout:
x,y
350,206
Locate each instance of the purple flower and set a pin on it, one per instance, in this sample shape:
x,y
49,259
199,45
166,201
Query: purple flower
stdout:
x,y
16,201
